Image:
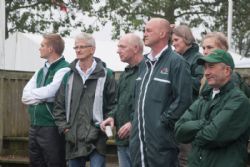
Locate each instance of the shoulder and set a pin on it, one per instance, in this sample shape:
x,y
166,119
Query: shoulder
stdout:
x,y
66,77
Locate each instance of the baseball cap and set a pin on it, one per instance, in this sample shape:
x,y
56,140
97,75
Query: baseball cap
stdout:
x,y
217,56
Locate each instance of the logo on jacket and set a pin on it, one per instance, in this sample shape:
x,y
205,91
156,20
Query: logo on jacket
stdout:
x,y
164,70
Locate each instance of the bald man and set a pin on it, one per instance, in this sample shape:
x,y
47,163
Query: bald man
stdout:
x,y
130,48
163,92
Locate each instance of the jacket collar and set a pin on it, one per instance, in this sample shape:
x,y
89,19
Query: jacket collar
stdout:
x,y
206,93
163,54
60,59
98,71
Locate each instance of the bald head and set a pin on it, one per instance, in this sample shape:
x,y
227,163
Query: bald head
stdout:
x,y
160,23
156,33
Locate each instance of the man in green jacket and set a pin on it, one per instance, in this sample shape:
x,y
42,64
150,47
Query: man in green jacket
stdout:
x,y
163,93
217,123
46,145
130,48
86,95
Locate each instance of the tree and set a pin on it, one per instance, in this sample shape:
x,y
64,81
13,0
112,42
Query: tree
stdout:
x,y
241,23
127,15
42,16
130,15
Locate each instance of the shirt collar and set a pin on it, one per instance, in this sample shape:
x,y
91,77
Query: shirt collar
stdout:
x,y
150,57
89,71
47,64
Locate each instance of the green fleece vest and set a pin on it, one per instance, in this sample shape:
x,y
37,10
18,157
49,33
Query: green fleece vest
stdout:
x,y
41,114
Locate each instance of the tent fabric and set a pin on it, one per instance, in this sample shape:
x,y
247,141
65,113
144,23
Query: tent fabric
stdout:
x,y
22,53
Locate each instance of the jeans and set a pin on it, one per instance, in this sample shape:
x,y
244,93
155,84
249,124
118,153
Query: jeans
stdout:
x,y
96,160
124,156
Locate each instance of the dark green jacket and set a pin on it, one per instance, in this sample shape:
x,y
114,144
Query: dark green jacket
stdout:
x,y
125,101
163,93
83,135
217,128
191,56
41,114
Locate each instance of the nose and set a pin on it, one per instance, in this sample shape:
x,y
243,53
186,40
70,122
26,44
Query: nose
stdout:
x,y
205,51
206,71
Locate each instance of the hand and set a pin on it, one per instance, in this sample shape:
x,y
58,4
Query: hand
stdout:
x,y
109,121
65,130
124,131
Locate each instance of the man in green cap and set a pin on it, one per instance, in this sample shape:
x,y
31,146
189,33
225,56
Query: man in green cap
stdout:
x,y
218,121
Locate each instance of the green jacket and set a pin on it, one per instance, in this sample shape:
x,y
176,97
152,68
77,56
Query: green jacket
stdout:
x,y
124,109
83,135
191,56
41,114
217,128
163,93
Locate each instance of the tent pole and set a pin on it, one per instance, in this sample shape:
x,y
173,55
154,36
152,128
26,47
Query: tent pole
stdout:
x,y
229,22
2,63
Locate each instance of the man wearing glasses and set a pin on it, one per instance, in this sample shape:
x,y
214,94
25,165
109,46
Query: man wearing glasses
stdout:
x,y
86,95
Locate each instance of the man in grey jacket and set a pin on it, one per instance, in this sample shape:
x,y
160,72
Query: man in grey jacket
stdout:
x,y
86,95
163,92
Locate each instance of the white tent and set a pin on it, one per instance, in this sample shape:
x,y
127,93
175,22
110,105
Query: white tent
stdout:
x,y
240,61
22,52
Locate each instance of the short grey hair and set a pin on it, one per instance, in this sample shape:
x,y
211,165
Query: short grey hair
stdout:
x,y
136,40
88,38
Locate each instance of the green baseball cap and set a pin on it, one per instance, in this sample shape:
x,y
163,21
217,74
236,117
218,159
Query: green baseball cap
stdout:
x,y
217,56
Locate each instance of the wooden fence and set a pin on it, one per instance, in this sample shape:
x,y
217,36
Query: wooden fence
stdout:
x,y
13,116
14,121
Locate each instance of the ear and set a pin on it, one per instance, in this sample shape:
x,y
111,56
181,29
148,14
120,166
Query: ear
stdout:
x,y
162,34
51,50
228,70
93,50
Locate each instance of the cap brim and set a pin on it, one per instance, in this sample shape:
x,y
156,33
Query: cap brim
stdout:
x,y
203,60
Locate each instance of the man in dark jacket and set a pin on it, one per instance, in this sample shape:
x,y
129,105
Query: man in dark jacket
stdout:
x,y
130,48
217,122
86,95
46,145
163,93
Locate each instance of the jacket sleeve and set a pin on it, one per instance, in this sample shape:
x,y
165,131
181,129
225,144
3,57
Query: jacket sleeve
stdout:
x,y
196,77
188,125
182,92
230,123
33,95
27,97
59,109
110,100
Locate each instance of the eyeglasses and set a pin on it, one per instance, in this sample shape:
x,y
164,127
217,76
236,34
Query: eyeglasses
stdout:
x,y
81,47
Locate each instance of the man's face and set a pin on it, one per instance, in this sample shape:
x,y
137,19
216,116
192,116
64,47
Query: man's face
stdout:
x,y
151,33
179,44
45,49
125,50
216,74
83,50
208,45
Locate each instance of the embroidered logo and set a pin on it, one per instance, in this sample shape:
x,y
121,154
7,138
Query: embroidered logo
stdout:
x,y
164,70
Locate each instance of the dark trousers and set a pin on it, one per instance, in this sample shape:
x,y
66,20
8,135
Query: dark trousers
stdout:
x,y
46,147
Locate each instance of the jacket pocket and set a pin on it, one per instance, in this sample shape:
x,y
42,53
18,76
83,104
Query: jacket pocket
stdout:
x,y
92,135
163,90
70,137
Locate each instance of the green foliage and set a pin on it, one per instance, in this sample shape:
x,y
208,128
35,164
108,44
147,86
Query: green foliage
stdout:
x,y
43,16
